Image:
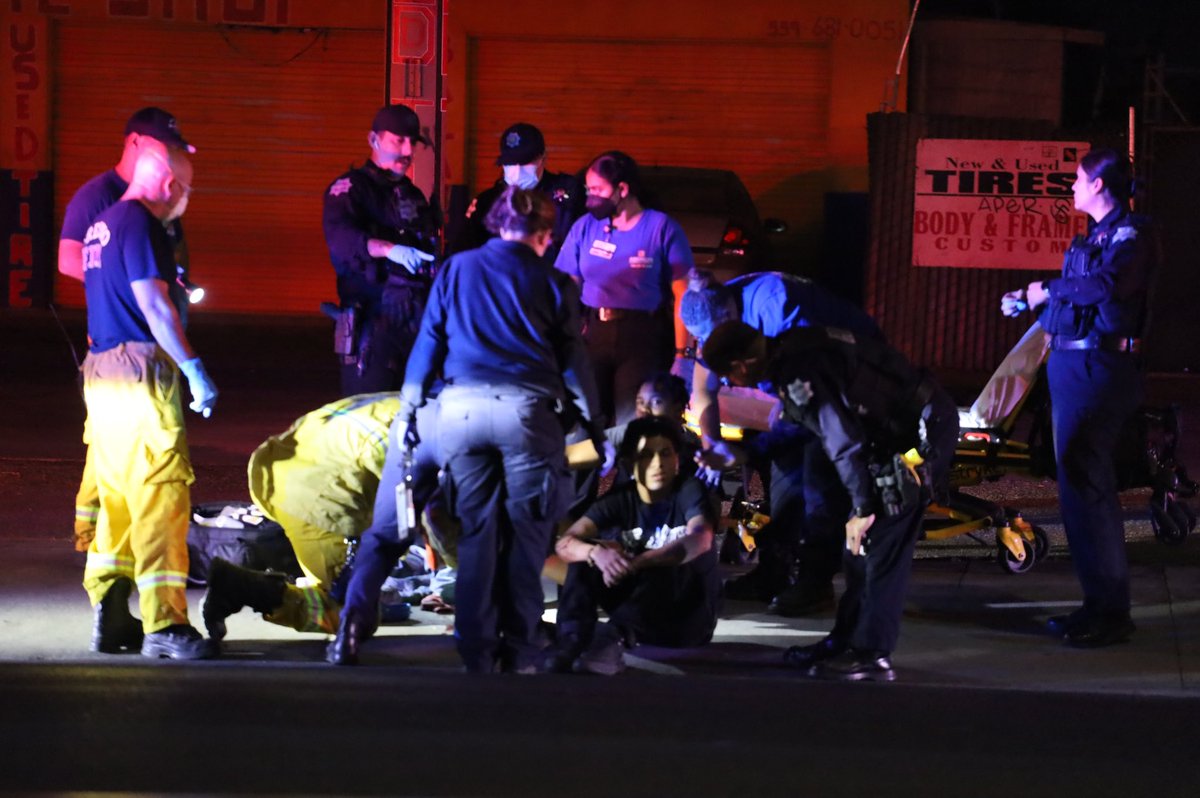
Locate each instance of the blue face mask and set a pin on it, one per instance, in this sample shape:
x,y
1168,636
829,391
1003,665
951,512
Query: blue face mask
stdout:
x,y
521,175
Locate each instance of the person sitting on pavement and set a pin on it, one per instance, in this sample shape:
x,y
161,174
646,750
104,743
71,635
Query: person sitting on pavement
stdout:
x,y
644,553
318,479
878,418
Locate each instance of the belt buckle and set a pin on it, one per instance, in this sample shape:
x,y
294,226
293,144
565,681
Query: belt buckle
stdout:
x,y
607,314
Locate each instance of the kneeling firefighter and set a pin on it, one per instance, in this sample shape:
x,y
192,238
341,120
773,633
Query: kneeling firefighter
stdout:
x,y
890,431
318,480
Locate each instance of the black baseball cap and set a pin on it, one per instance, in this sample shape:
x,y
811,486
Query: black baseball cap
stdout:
x,y
520,143
157,124
401,120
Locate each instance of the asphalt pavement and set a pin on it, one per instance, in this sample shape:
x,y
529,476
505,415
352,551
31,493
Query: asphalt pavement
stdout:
x,y
985,700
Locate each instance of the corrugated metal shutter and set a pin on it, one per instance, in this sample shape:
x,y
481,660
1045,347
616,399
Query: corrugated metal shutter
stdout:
x,y
275,115
760,110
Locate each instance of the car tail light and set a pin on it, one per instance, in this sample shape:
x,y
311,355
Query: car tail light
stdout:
x,y
733,237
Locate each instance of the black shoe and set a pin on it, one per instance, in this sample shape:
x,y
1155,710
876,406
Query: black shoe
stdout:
x,y
179,641
804,657
1101,631
605,656
560,658
114,628
344,648
802,598
231,587
855,666
1059,625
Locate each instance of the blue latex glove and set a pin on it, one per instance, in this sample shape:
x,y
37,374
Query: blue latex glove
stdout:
x,y
410,258
608,456
204,392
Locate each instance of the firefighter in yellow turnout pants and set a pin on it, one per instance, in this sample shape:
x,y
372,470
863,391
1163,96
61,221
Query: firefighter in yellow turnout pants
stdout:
x,y
132,388
318,480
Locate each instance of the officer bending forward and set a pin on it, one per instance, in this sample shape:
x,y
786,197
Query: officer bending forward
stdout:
x,y
869,406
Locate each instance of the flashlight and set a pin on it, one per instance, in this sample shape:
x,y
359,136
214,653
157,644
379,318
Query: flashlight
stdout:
x,y
194,292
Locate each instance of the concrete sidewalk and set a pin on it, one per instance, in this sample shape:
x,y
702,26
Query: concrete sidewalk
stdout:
x,y
967,624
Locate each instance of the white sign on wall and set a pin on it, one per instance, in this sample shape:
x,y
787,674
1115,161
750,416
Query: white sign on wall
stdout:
x,y
990,204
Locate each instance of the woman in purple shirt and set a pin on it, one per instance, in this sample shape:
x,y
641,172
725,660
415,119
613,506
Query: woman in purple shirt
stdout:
x,y
631,263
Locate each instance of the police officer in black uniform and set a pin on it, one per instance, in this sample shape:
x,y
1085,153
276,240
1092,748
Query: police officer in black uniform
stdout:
x,y
523,160
890,431
382,237
1094,315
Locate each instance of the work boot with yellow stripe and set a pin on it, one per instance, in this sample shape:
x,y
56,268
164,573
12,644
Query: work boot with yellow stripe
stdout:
x,y
231,587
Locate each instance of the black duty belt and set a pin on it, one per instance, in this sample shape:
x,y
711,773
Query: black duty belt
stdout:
x,y
617,314
1106,343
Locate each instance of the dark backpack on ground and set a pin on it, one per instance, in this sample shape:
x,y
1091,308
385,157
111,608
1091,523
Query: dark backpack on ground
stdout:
x,y
240,533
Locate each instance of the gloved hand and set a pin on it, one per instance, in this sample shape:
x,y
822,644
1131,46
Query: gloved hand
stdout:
x,y
682,368
608,456
711,477
718,457
1013,303
410,258
204,392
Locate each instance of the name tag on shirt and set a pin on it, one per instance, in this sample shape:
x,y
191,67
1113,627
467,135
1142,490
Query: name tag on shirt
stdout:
x,y
603,249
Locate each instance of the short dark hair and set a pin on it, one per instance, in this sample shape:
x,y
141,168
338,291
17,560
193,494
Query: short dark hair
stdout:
x,y
617,167
1113,168
670,386
522,211
730,341
703,309
649,427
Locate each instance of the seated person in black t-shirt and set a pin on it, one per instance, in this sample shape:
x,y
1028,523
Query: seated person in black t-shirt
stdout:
x,y
644,554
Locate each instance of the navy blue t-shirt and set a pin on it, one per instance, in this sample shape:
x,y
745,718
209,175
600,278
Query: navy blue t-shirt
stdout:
x,y
96,196
125,243
93,197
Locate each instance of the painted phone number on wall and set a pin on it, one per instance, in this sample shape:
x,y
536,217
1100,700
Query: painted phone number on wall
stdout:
x,y
835,28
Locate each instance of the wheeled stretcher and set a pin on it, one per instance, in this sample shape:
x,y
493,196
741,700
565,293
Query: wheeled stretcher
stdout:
x,y
1007,431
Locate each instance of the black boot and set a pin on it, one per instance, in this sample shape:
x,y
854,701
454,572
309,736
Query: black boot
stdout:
x,y
115,629
231,587
344,648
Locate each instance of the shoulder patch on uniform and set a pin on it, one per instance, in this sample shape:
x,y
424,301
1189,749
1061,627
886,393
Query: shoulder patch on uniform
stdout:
x,y
837,334
1124,234
800,391
339,187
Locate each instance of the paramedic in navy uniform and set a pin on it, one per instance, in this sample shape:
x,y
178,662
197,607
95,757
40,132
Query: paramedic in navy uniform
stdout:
x,y
382,236
630,262
800,551
1094,314
502,330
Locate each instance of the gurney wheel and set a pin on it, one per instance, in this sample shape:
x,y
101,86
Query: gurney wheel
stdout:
x,y
1011,564
1041,543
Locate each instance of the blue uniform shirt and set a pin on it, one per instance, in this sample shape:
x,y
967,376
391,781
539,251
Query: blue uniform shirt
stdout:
x,y
1104,282
125,243
101,193
92,197
499,315
631,269
773,303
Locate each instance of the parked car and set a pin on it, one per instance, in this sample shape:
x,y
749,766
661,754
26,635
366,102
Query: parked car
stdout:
x,y
716,212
